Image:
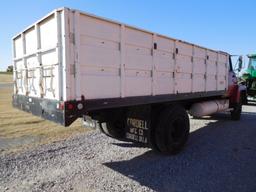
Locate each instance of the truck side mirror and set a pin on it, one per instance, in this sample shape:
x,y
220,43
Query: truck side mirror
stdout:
x,y
240,63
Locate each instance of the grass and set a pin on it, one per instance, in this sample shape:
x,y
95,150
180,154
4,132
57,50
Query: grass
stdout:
x,y
4,72
5,77
17,125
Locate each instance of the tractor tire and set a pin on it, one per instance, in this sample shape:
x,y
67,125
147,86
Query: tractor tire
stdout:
x,y
172,130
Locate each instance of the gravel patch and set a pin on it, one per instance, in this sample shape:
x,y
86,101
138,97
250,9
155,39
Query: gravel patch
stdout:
x,y
220,156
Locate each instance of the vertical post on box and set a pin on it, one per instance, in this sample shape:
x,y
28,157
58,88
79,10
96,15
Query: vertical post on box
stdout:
x,y
175,63
39,59
65,54
227,71
76,28
154,48
193,69
122,61
217,72
24,63
59,53
206,79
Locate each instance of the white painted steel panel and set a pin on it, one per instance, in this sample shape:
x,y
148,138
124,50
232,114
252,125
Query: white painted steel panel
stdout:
x,y
211,67
221,83
183,64
137,83
138,58
183,83
69,54
222,58
199,66
222,68
19,77
33,76
199,52
110,87
96,27
164,61
211,83
48,33
30,41
99,43
18,47
19,65
139,38
164,83
198,83
164,44
91,56
212,55
184,48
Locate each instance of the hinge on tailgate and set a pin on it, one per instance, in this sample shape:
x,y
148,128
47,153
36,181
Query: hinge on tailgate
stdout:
x,y
72,38
73,69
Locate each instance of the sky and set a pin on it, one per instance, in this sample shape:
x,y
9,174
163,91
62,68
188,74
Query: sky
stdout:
x,y
226,25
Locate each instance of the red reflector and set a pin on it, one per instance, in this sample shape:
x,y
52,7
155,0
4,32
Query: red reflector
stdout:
x,y
61,106
70,106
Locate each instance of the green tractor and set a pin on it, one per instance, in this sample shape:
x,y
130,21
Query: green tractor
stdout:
x,y
248,79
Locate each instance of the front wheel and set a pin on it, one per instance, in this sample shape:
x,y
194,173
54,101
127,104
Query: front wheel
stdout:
x,y
244,99
172,130
236,112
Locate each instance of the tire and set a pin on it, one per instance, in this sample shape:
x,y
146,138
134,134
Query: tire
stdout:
x,y
236,112
172,130
244,99
114,128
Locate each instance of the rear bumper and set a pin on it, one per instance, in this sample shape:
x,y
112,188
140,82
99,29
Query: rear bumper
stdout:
x,y
65,113
45,108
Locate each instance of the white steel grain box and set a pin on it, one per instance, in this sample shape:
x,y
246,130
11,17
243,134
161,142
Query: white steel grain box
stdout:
x,y
71,55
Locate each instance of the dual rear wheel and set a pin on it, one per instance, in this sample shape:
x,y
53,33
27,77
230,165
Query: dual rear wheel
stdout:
x,y
172,130
169,134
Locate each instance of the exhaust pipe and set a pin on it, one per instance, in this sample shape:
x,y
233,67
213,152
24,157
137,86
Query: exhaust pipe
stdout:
x,y
208,107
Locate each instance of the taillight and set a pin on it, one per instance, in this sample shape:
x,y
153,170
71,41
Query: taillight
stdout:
x,y
70,106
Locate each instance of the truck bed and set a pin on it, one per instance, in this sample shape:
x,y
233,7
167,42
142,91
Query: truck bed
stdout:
x,y
74,57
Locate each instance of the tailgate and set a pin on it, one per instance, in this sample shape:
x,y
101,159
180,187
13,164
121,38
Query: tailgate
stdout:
x,y
38,59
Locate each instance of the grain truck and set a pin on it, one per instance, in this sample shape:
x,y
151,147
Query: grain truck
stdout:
x,y
135,84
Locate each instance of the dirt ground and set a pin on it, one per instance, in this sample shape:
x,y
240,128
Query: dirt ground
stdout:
x,y
20,130
219,156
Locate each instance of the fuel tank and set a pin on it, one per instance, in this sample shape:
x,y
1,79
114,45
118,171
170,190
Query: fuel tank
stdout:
x,y
208,107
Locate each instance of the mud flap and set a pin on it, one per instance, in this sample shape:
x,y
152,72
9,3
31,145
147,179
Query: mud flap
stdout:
x,y
138,123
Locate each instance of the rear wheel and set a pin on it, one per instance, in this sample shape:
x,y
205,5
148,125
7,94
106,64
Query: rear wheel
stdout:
x,y
114,126
112,129
172,130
